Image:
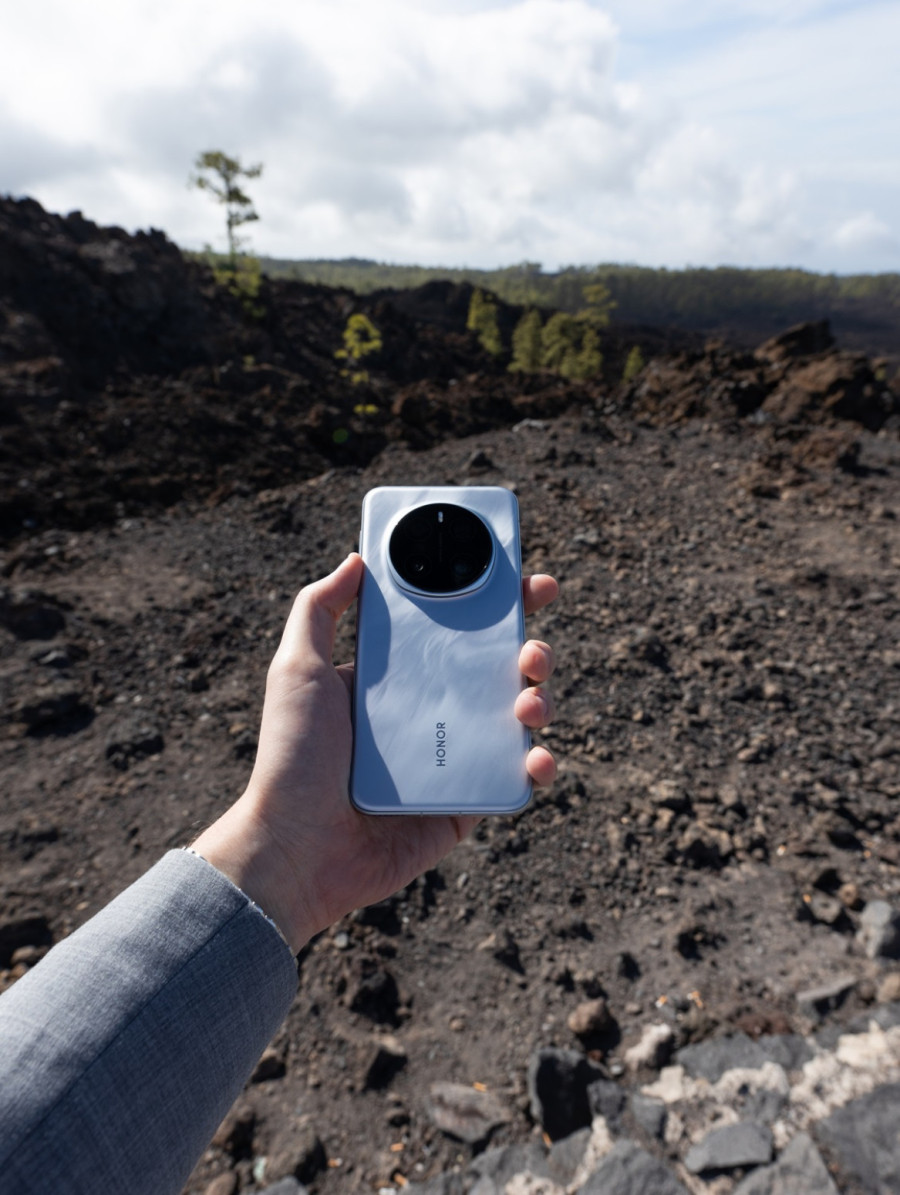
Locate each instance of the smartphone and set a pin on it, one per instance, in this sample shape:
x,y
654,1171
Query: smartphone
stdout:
x,y
439,626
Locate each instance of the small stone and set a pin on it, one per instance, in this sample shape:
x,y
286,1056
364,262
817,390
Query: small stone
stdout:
x,y
504,948
235,1133
54,709
386,1059
270,1066
670,795
653,1050
298,1154
819,1001
826,909
557,1088
879,930
30,614
711,1059
863,1137
284,1186
507,952
133,739
498,1169
742,1144
565,1156
650,1114
56,658
224,1184
479,460
606,1099
705,846
632,1171
589,1018
799,1169
374,994
27,956
848,895
465,1112
889,988
789,1050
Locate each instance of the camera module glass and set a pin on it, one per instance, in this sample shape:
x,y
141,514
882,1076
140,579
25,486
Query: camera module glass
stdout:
x,y
441,548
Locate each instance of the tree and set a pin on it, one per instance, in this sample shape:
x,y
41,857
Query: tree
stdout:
x,y
482,318
634,363
560,341
599,304
590,360
570,347
526,343
221,176
361,338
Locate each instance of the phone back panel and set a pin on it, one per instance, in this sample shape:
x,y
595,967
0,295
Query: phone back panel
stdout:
x,y
437,676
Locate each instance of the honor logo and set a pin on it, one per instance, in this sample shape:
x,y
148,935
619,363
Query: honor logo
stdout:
x,y
440,745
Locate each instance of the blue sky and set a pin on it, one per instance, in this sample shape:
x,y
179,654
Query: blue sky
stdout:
x,y
663,132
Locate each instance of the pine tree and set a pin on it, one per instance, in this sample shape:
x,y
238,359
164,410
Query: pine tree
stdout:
x,y
221,176
560,340
633,364
600,305
526,343
590,360
482,319
361,338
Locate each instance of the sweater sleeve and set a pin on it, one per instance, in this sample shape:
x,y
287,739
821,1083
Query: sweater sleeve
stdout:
x,y
122,1050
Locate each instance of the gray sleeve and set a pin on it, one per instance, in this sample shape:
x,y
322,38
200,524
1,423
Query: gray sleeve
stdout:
x,y
122,1050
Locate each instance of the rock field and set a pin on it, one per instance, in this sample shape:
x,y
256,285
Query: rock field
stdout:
x,y
679,969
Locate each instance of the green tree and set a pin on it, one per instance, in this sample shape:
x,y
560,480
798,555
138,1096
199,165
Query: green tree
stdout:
x,y
526,343
589,361
570,347
560,344
482,319
634,363
599,302
222,176
361,338
242,278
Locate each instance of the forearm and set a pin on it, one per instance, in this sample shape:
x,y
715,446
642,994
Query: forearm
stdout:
x,y
124,1048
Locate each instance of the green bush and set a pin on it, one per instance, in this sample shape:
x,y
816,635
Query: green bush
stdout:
x,y
361,338
482,319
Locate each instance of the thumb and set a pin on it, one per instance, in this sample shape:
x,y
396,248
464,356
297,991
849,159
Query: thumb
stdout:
x,y
314,616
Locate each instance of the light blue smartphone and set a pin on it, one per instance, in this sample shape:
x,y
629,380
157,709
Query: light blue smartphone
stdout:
x,y
439,626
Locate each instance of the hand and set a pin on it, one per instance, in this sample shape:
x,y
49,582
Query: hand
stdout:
x,y
293,842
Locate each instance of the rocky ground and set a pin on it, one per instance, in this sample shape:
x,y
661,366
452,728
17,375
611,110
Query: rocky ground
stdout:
x,y
723,831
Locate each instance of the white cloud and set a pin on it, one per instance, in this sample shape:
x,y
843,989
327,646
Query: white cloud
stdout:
x,y
866,235
471,132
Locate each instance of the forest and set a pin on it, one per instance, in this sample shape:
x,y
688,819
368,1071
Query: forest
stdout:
x,y
744,305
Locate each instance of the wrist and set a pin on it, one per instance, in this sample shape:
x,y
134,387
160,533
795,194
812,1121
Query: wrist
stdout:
x,y
239,847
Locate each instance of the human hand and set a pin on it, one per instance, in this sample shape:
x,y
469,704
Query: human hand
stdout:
x,y
293,842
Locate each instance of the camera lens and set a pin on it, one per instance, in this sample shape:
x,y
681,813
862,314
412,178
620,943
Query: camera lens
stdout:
x,y
420,526
461,530
441,548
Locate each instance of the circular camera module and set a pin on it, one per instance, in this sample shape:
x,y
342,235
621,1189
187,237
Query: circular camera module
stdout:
x,y
441,548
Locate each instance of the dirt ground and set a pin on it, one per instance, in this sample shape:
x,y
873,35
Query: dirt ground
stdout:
x,y
727,536
728,735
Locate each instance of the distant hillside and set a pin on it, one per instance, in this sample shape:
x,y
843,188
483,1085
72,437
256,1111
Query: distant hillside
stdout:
x,y
744,306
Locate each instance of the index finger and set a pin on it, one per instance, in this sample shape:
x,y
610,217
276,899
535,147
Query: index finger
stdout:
x,y
539,591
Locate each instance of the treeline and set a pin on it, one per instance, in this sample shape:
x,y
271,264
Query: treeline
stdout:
x,y
864,308
563,344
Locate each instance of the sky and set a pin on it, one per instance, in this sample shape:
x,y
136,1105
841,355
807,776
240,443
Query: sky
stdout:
x,y
472,133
